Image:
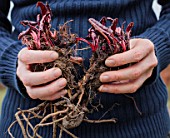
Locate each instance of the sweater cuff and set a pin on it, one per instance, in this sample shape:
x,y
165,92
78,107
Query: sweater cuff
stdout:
x,y
8,66
161,42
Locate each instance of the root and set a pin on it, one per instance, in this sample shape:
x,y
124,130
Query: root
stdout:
x,y
68,112
101,121
55,124
21,124
68,132
132,98
9,129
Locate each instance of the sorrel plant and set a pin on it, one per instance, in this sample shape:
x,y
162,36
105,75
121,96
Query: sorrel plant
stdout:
x,y
69,111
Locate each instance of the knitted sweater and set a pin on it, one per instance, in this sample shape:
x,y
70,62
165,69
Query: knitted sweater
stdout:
x,y
151,98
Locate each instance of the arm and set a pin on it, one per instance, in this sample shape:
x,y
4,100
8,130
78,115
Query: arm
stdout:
x,y
142,53
159,34
14,61
9,49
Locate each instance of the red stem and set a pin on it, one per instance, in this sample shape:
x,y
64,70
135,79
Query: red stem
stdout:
x,y
90,44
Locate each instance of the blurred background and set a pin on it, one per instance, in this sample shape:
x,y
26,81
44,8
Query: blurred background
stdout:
x,y
165,74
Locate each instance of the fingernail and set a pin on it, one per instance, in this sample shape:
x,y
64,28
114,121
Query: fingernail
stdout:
x,y
63,92
54,55
110,62
102,89
57,72
62,82
104,78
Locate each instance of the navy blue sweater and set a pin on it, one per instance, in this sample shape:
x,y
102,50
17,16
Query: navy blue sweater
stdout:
x,y
151,98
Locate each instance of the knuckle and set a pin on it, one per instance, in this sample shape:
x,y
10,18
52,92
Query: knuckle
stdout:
x,y
23,55
136,74
18,72
154,63
134,88
149,74
30,93
115,89
137,56
20,54
122,61
117,77
24,58
26,81
45,77
150,45
51,90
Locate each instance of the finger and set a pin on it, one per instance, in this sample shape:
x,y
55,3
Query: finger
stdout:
x,y
125,87
22,69
55,96
78,59
47,90
38,78
137,53
130,73
36,56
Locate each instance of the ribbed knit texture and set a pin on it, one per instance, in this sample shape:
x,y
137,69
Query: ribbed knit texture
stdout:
x,y
151,99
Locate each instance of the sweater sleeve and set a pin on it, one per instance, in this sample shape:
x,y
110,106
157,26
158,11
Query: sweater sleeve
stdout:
x,y
9,49
159,34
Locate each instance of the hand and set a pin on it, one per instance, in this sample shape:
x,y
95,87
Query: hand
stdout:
x,y
34,82
130,79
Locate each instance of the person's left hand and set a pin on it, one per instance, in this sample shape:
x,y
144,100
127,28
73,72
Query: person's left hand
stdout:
x,y
130,79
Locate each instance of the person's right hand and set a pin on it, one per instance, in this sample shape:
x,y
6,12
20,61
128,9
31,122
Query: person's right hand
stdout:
x,y
40,85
